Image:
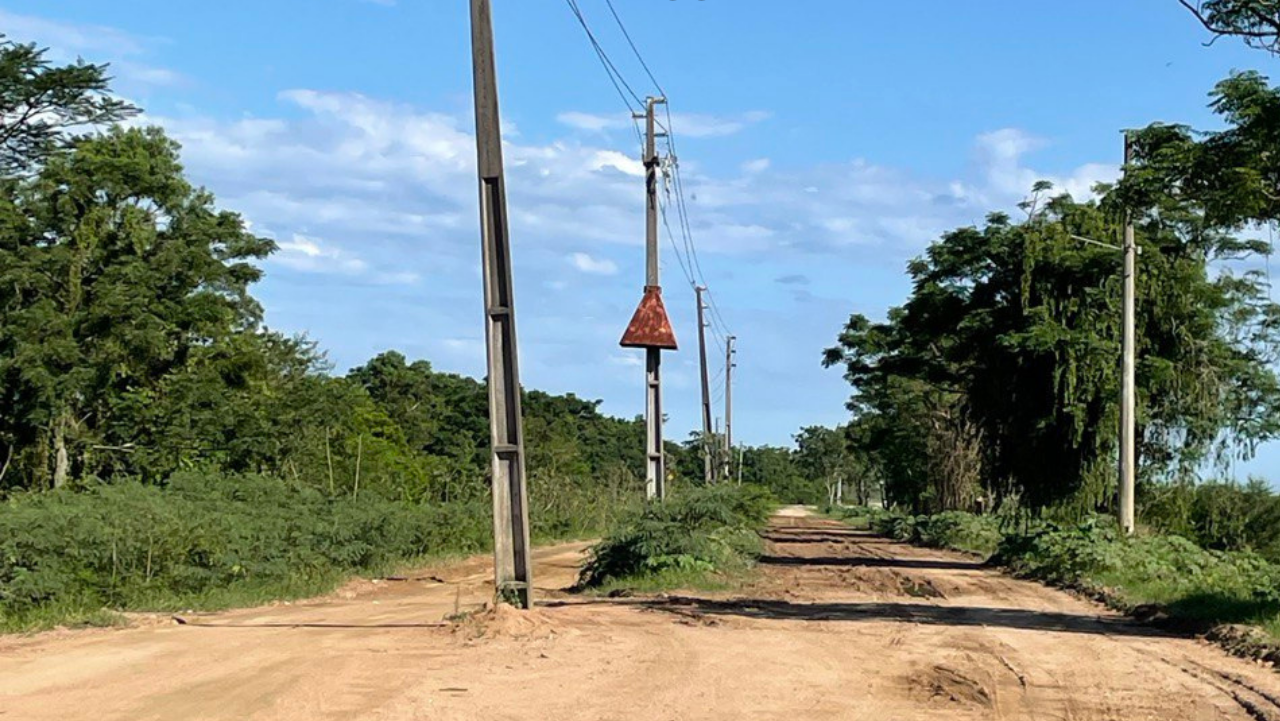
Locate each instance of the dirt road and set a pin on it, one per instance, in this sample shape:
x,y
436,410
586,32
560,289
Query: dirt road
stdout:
x,y
840,625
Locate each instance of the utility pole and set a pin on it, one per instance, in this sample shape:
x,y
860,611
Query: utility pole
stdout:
x,y
512,566
1127,416
650,328
728,403
708,468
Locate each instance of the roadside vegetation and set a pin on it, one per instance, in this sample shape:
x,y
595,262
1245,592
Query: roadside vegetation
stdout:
x,y
161,448
986,405
706,537
1156,576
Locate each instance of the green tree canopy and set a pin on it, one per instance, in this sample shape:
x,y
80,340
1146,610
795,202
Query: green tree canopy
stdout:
x,y
41,102
1009,345
113,272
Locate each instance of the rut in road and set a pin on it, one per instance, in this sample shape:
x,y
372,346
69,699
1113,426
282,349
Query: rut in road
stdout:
x,y
839,624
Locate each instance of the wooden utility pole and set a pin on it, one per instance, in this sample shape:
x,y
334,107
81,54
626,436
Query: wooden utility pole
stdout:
x,y
512,566
708,467
1127,418
728,404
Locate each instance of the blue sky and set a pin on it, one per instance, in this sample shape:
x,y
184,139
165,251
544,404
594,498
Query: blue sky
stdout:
x,y
823,144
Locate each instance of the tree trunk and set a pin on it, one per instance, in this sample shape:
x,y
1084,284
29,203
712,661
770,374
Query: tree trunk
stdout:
x,y
61,463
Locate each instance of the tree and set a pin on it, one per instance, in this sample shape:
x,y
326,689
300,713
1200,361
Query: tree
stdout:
x,y
774,467
113,272
41,102
822,454
1257,22
1001,367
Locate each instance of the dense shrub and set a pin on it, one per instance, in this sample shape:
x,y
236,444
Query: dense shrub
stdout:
x,y
129,545
700,531
1188,581
1222,516
1170,573
862,517
950,529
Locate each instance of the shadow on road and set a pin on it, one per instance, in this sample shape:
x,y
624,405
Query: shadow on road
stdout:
x,y
902,612
316,624
873,562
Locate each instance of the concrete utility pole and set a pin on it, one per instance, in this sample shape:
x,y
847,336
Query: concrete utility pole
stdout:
x,y
650,328
728,404
656,467
1127,412
708,467
512,566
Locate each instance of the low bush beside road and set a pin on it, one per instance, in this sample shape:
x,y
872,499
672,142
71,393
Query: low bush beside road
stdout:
x,y
952,529
1166,576
1154,576
698,537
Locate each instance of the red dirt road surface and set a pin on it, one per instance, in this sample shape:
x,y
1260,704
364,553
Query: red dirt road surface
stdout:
x,y
839,625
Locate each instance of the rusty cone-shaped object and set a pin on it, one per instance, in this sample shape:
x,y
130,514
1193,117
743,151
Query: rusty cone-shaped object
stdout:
x,y
650,327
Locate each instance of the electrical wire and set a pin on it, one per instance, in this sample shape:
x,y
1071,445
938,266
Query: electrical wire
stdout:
x,y
693,262
689,261
634,49
612,70
684,268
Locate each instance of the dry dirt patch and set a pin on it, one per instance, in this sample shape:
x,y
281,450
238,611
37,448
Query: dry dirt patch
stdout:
x,y
840,625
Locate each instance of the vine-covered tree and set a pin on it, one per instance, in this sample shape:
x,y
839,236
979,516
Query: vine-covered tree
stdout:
x,y
113,272
1002,366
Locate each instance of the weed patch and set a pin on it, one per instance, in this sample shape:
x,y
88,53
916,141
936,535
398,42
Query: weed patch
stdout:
x,y
698,537
1164,578
206,541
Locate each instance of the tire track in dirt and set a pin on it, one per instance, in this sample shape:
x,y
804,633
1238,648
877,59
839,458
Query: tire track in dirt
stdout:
x,y
838,624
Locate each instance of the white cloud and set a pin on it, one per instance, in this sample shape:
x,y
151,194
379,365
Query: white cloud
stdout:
x,y
68,41
695,125
632,360
617,161
593,123
376,179
999,154
587,264
313,255
691,125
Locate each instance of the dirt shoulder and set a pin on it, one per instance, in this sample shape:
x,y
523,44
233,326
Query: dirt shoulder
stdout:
x,y
840,624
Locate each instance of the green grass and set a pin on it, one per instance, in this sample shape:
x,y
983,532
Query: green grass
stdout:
x,y
979,535
1194,587
212,541
702,538
207,542
1153,574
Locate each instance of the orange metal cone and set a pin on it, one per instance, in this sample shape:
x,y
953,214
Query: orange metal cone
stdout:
x,y
650,327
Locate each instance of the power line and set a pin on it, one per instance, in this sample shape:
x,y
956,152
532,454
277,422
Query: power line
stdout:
x,y
619,82
688,274
685,226
690,263
634,49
